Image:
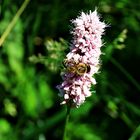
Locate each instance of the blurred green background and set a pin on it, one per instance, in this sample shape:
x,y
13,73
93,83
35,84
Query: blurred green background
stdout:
x,y
30,65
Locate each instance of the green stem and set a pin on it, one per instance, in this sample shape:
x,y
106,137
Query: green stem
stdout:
x,y
126,73
135,134
66,122
127,121
13,22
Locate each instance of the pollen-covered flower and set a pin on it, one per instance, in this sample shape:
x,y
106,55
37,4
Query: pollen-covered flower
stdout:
x,y
82,62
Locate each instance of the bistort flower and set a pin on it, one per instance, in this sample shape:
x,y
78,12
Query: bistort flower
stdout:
x,y
83,60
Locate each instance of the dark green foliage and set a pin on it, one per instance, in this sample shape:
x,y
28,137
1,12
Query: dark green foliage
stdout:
x,y
30,64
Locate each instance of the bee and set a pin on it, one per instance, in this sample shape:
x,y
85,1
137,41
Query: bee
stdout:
x,y
76,68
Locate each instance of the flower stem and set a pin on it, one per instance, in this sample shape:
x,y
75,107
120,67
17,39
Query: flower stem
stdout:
x,y
13,22
66,122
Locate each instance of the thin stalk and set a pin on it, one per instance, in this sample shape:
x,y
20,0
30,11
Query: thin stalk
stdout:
x,y
127,121
66,122
126,73
135,134
13,22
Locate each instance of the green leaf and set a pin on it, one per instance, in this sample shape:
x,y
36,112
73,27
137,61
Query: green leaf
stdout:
x,y
4,127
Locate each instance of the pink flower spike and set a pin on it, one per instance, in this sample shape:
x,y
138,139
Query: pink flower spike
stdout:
x,y
83,60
